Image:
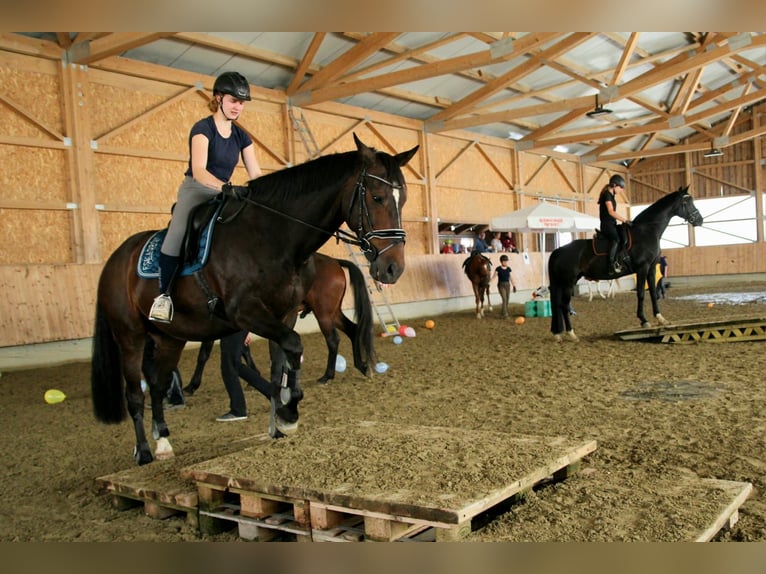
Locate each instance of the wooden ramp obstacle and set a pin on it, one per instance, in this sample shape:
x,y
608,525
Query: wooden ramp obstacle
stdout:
x,y
728,331
217,493
160,486
406,483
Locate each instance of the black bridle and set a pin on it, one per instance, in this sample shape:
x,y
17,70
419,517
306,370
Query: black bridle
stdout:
x,y
359,239
363,240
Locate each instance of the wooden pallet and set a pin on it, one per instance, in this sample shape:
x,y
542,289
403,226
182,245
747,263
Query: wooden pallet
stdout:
x,y
160,486
249,490
731,330
728,517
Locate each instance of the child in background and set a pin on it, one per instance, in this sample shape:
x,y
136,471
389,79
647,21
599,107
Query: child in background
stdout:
x,y
504,282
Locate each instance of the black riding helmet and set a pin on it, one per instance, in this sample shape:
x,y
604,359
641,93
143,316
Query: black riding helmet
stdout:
x,y
616,179
234,84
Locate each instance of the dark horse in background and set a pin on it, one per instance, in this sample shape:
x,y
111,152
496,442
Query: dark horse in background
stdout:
x,y
258,282
324,299
478,268
588,258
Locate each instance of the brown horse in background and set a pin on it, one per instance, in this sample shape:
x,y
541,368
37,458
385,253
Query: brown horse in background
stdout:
x,y
478,268
324,299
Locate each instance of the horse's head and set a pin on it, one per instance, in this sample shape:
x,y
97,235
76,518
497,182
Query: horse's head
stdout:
x,y
685,208
374,210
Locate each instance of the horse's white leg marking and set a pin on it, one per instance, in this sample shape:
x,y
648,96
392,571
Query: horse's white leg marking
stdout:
x,y
164,450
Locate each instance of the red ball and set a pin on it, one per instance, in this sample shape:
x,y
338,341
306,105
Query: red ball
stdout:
x,y
402,329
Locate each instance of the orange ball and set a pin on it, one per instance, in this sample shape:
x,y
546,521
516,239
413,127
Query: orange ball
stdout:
x,y
430,324
710,304
519,320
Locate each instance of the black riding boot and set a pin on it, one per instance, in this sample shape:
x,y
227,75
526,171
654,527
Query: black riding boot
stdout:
x,y
162,308
614,266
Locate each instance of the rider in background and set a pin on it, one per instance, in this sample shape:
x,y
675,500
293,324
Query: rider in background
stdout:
x,y
607,212
215,145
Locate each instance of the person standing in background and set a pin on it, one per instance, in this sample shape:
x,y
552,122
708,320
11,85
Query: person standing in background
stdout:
x,y
662,261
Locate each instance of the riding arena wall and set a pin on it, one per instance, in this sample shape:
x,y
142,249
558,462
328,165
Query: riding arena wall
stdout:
x,y
93,154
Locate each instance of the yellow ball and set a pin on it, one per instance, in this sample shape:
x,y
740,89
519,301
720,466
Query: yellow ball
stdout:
x,y
391,329
519,320
430,324
53,396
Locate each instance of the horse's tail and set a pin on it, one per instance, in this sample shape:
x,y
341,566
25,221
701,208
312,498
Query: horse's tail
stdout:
x,y
362,313
556,293
106,373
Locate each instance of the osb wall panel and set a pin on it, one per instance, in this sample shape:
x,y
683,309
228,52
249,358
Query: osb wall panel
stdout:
x,y
152,183
34,85
33,173
47,302
32,236
460,164
116,227
468,206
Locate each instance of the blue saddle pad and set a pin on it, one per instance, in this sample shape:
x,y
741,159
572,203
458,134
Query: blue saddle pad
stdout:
x,y
149,260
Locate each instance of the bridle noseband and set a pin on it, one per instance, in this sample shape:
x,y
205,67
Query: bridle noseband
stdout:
x,y
363,240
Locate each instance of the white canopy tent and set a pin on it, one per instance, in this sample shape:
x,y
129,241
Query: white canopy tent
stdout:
x,y
544,218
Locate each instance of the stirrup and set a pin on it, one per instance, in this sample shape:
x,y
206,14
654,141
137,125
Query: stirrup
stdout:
x,y
162,309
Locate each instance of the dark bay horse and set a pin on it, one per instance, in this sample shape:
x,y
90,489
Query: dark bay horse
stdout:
x,y
324,299
587,258
252,281
478,268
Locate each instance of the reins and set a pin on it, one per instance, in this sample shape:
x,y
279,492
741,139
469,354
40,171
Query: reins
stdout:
x,y
361,239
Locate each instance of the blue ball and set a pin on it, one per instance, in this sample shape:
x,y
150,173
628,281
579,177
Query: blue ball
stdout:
x,y
397,340
340,363
381,367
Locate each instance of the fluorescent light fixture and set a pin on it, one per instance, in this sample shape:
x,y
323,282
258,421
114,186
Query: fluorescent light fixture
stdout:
x,y
599,110
714,152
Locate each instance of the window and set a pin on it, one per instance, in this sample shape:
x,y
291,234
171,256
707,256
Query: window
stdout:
x,y
728,220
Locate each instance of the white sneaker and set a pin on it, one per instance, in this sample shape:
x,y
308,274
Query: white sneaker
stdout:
x,y
162,309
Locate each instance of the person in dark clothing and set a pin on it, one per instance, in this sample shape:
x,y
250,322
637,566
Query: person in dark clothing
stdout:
x,y
663,263
609,217
504,282
232,368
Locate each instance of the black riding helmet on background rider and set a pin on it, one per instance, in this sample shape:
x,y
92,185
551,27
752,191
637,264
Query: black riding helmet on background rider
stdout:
x,y
234,84
615,180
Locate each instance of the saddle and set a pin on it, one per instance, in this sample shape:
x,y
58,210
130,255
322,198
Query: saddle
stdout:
x,y
196,245
601,244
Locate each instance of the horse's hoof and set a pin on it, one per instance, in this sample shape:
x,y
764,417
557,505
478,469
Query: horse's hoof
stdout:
x,y
323,380
557,338
646,324
164,450
142,455
572,335
661,320
285,427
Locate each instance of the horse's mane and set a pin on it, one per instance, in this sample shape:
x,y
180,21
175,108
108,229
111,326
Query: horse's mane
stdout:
x,y
660,205
311,177
289,184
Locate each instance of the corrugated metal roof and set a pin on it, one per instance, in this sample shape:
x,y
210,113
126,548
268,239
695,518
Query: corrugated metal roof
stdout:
x,y
661,87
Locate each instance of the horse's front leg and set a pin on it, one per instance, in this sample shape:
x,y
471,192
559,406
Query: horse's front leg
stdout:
x,y
640,280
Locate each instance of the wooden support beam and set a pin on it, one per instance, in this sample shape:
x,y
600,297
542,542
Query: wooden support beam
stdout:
x,y
440,68
356,54
110,45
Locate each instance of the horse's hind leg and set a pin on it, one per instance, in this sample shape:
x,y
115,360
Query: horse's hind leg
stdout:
x,y
132,358
205,348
